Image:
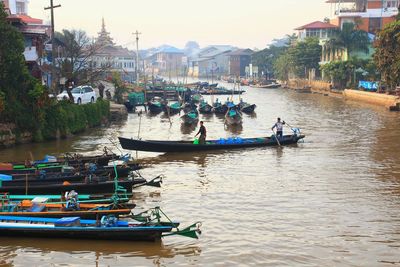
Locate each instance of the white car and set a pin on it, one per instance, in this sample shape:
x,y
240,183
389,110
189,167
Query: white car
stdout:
x,y
82,95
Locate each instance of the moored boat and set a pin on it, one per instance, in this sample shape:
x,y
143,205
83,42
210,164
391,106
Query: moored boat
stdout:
x,y
246,107
220,108
172,108
191,118
205,108
233,116
92,187
109,228
155,105
149,225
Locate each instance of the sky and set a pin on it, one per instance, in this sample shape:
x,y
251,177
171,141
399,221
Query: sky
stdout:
x,y
242,23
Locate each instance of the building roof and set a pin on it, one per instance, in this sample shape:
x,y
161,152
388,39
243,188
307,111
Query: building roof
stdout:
x,y
241,52
25,19
115,51
317,25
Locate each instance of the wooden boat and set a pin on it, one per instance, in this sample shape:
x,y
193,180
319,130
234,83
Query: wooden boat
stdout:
x,y
196,98
189,106
73,159
221,91
109,228
205,108
191,117
220,108
155,105
246,107
221,144
60,210
122,170
172,109
92,187
267,86
233,116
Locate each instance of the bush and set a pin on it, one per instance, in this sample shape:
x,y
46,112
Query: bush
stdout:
x,y
67,118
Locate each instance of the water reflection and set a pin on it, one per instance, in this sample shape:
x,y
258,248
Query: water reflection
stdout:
x,y
95,251
188,129
234,129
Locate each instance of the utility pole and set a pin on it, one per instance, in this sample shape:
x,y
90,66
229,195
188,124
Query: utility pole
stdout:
x,y
53,47
137,56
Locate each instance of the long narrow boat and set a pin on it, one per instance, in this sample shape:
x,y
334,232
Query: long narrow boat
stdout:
x,y
190,118
83,188
221,144
122,170
74,227
233,117
205,108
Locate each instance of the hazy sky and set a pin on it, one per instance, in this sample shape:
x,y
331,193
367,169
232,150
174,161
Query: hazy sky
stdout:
x,y
243,23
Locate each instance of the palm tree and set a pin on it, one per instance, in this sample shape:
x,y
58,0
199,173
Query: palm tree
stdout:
x,y
349,38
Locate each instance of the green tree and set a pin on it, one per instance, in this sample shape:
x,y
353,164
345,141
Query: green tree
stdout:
x,y
282,67
387,53
349,38
266,58
346,74
76,62
305,56
21,95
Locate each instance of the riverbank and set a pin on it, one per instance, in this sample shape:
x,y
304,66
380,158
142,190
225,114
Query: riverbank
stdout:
x,y
391,102
61,120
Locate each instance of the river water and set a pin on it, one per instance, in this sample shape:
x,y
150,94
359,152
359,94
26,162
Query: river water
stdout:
x,y
333,200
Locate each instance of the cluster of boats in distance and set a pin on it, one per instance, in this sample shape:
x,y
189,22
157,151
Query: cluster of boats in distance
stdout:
x,y
75,196
172,99
197,105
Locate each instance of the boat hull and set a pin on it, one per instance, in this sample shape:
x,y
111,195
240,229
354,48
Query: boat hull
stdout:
x,y
183,146
82,188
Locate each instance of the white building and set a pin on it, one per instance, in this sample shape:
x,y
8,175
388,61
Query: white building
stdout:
x,y
114,58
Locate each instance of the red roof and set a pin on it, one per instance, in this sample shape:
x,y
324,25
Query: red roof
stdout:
x,y
25,19
317,25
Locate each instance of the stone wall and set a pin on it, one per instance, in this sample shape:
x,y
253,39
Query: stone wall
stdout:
x,y
389,101
10,137
314,85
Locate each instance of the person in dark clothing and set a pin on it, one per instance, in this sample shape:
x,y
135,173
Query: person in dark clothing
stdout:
x,y
101,90
279,128
203,133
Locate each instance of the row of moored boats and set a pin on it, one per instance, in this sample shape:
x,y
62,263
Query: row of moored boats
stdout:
x,y
77,196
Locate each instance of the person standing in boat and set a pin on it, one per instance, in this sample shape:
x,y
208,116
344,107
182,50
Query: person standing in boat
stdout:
x,y
279,128
203,134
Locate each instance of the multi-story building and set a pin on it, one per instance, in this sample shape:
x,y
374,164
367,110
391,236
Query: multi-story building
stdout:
x,y
35,33
165,60
319,29
113,58
209,61
369,15
238,60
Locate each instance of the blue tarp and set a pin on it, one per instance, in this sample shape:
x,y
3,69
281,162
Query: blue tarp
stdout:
x,y
368,86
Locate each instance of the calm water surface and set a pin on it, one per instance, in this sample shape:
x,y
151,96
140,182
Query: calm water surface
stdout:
x,y
333,200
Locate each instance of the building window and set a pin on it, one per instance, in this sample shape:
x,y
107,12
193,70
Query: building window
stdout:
x,y
20,7
374,25
313,33
391,4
